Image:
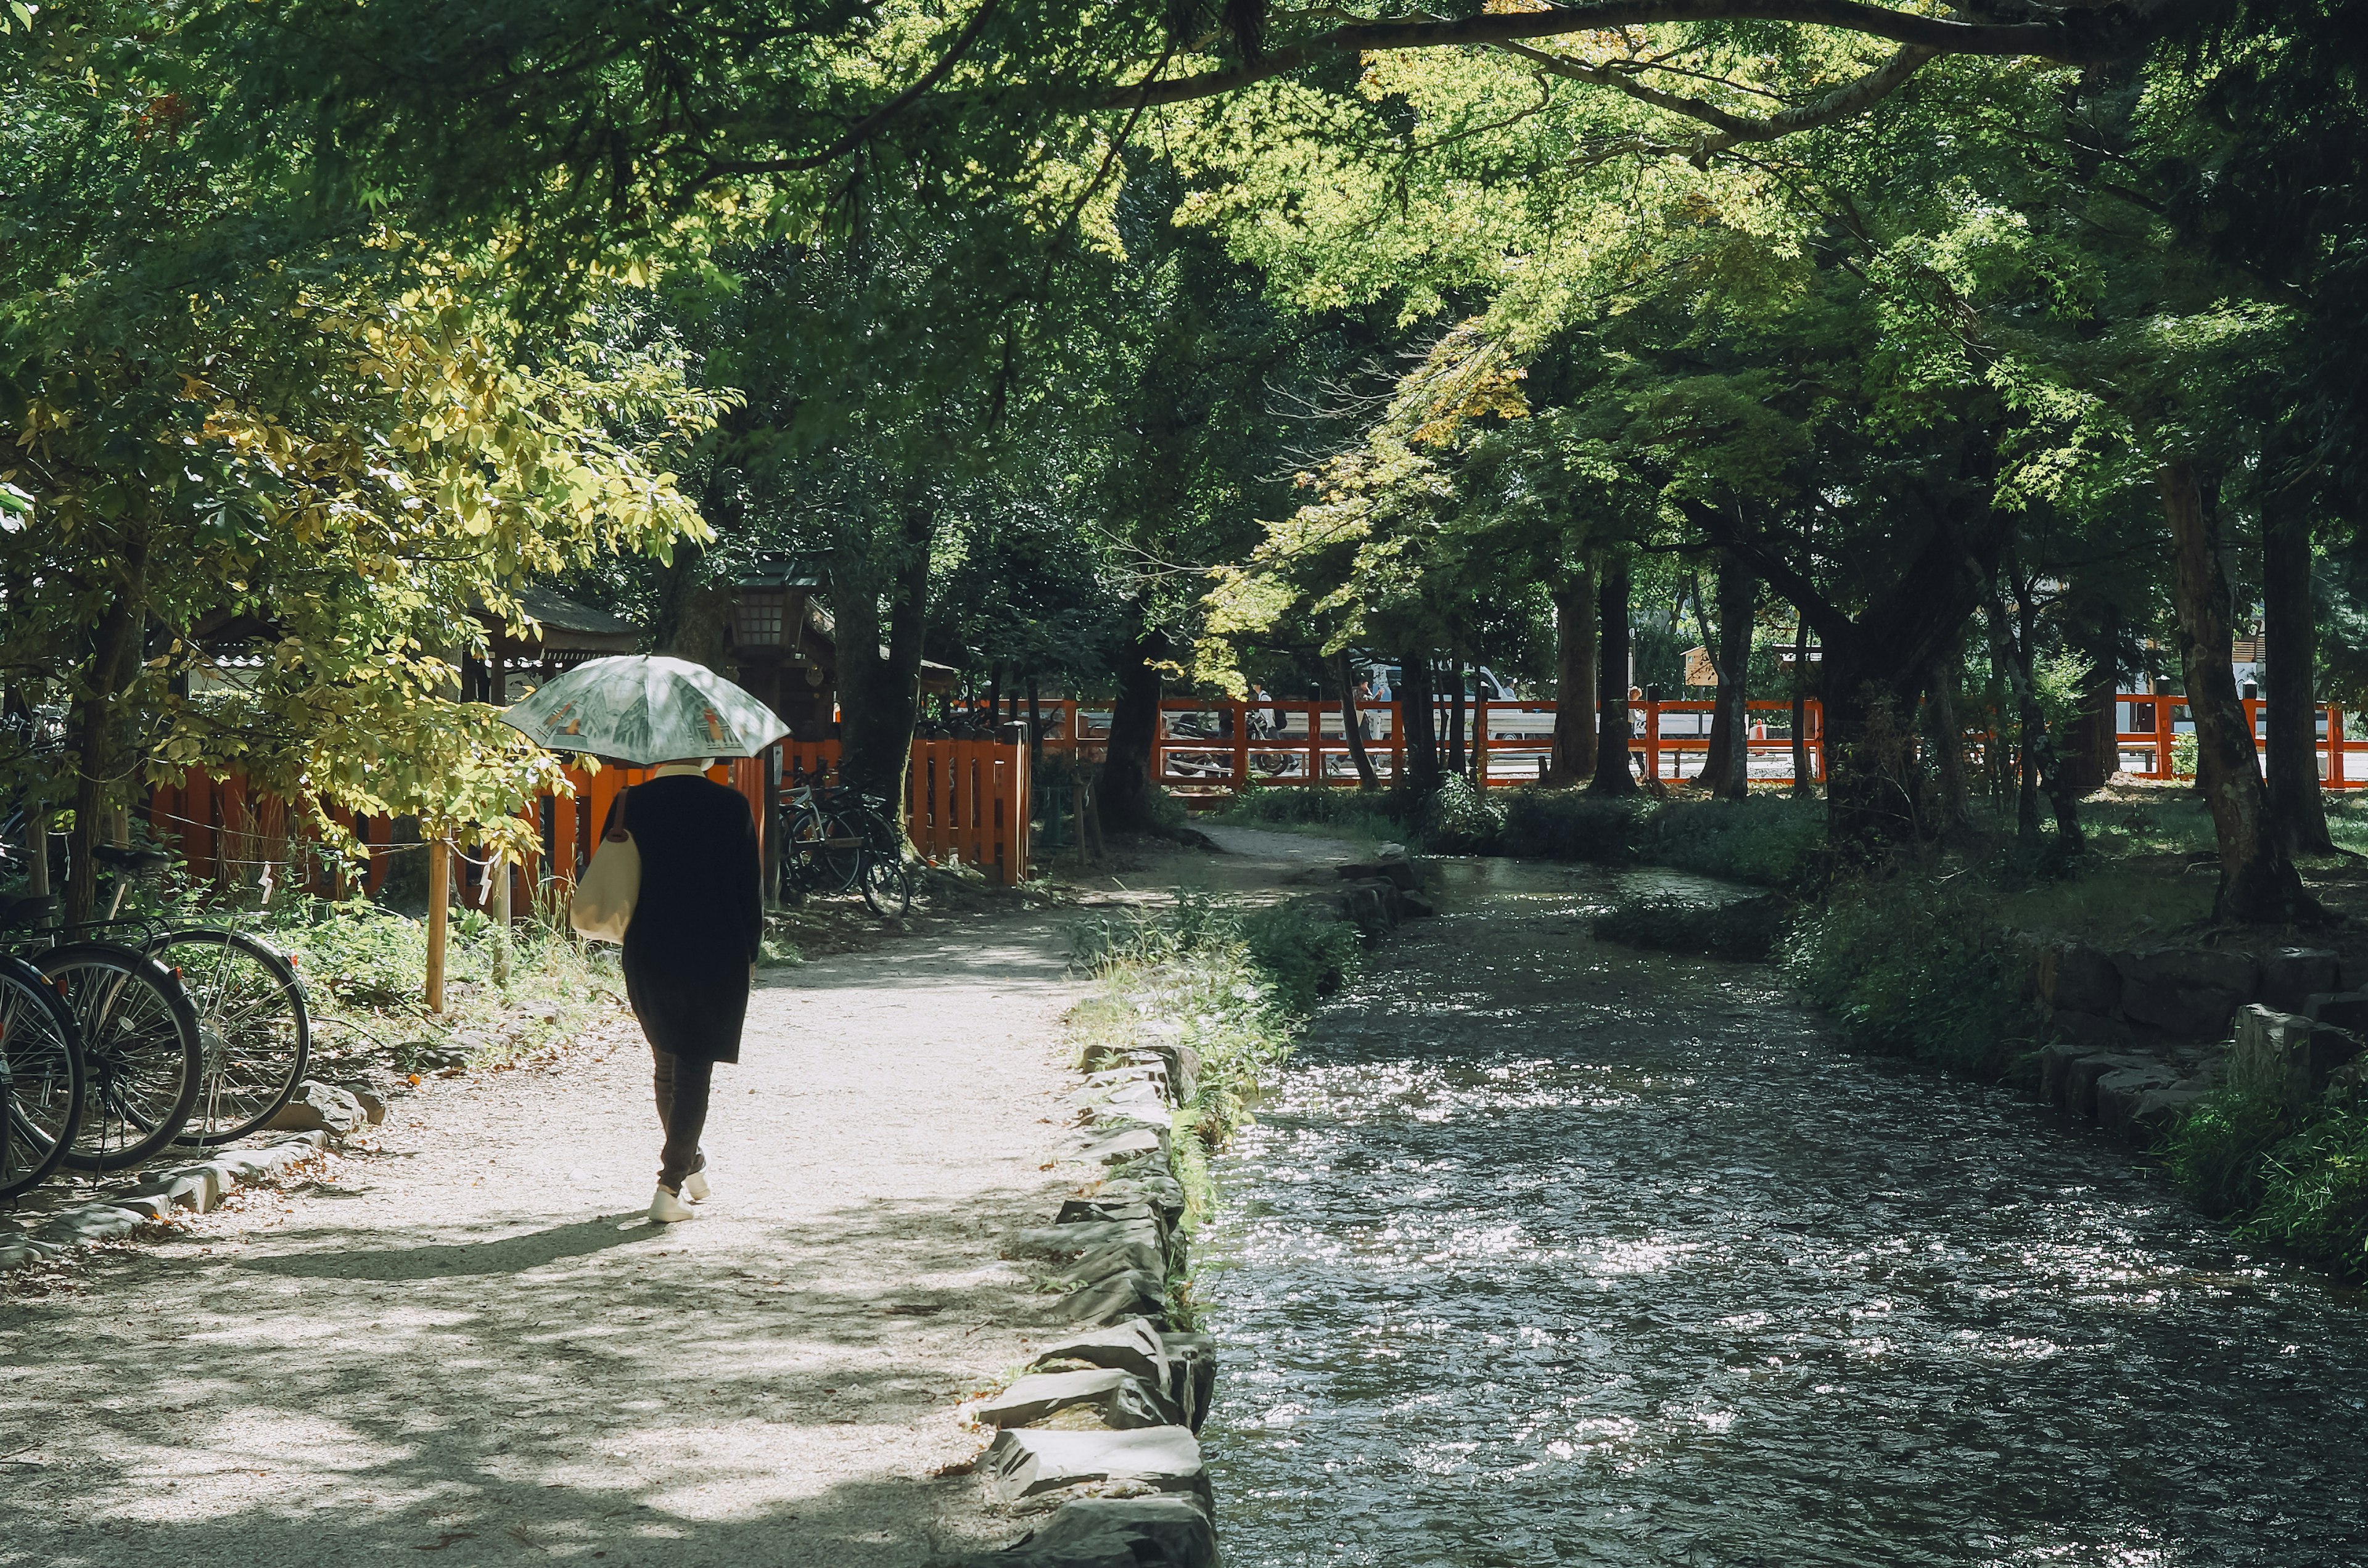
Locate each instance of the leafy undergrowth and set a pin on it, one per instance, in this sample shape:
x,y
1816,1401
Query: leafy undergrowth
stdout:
x,y
1918,965
1234,984
1373,815
1776,841
1736,928
507,994
2294,1179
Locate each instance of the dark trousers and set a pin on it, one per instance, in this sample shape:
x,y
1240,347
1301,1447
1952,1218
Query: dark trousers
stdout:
x,y
682,1083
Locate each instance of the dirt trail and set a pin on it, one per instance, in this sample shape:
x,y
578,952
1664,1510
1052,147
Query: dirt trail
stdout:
x,y
469,1343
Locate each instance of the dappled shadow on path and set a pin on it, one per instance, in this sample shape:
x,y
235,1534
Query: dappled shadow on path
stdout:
x,y
596,1387
496,1255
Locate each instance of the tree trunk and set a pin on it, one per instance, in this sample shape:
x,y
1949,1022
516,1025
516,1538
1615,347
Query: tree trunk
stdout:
x,y
2046,770
881,695
1353,723
1035,726
1612,733
1454,714
1128,787
2297,813
2010,657
1416,701
96,726
1802,785
2258,880
1948,736
1575,646
2088,748
1738,597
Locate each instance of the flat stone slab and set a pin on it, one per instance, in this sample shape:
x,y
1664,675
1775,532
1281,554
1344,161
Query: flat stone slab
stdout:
x,y
1082,1236
1129,1295
1114,1532
1131,1143
1101,1398
1115,1259
1132,1345
1023,1463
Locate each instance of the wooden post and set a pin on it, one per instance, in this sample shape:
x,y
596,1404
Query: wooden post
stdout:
x,y
2162,734
37,853
1241,746
2334,745
1480,743
439,916
1397,741
1652,739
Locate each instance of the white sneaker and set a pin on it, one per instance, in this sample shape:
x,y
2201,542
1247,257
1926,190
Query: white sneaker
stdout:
x,y
665,1208
694,1187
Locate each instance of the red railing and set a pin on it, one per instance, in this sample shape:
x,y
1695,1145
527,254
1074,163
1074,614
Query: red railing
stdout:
x,y
964,800
1205,748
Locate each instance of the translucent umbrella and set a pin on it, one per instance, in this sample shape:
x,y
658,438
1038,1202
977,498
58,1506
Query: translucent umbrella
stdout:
x,y
643,709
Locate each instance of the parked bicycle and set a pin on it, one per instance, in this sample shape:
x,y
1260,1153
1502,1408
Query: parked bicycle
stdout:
x,y
192,1034
142,1054
42,1077
835,838
253,1023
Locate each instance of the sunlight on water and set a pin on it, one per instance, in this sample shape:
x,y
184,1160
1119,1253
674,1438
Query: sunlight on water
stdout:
x,y
1542,1251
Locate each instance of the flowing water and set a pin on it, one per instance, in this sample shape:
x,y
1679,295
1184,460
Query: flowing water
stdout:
x,y
1549,1252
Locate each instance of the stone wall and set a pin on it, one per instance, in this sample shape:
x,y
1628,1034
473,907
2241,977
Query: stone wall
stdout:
x,y
2138,1036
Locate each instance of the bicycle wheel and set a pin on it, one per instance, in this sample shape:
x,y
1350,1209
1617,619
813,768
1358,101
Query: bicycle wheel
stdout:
x,y
252,1017
42,1081
142,1053
887,887
840,856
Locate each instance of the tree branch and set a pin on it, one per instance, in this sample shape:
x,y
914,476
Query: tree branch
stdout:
x,y
1849,99
2074,37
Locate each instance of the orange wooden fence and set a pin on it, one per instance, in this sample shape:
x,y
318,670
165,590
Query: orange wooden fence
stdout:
x,y
1206,750
964,800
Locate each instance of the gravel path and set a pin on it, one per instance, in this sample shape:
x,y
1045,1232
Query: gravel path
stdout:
x,y
468,1342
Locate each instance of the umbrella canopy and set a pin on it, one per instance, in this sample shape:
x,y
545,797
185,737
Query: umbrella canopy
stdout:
x,y
643,709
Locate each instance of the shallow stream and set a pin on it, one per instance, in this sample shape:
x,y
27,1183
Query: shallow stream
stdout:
x,y
1549,1252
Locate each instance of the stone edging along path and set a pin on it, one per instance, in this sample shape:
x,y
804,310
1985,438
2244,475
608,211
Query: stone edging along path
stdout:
x,y
1111,1414
317,1114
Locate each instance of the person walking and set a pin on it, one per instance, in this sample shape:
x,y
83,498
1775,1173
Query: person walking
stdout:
x,y
690,952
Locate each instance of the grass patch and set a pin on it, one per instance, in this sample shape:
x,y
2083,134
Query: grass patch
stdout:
x,y
1736,928
508,993
1234,984
1776,841
2297,1180
1376,814
1915,964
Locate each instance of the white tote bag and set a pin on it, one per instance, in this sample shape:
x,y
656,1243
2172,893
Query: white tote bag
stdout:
x,y
603,906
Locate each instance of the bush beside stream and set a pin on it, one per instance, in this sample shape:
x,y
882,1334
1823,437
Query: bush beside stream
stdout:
x,y
1232,984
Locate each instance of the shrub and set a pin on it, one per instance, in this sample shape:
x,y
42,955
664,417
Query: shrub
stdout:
x,y
1461,818
2315,1194
2217,1152
1768,840
1570,824
1913,966
2292,1180
1374,813
1304,955
1732,928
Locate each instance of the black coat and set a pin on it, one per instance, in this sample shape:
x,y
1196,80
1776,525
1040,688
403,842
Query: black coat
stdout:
x,y
699,916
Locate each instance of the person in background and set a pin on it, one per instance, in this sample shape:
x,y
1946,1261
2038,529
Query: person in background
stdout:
x,y
1381,698
690,952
